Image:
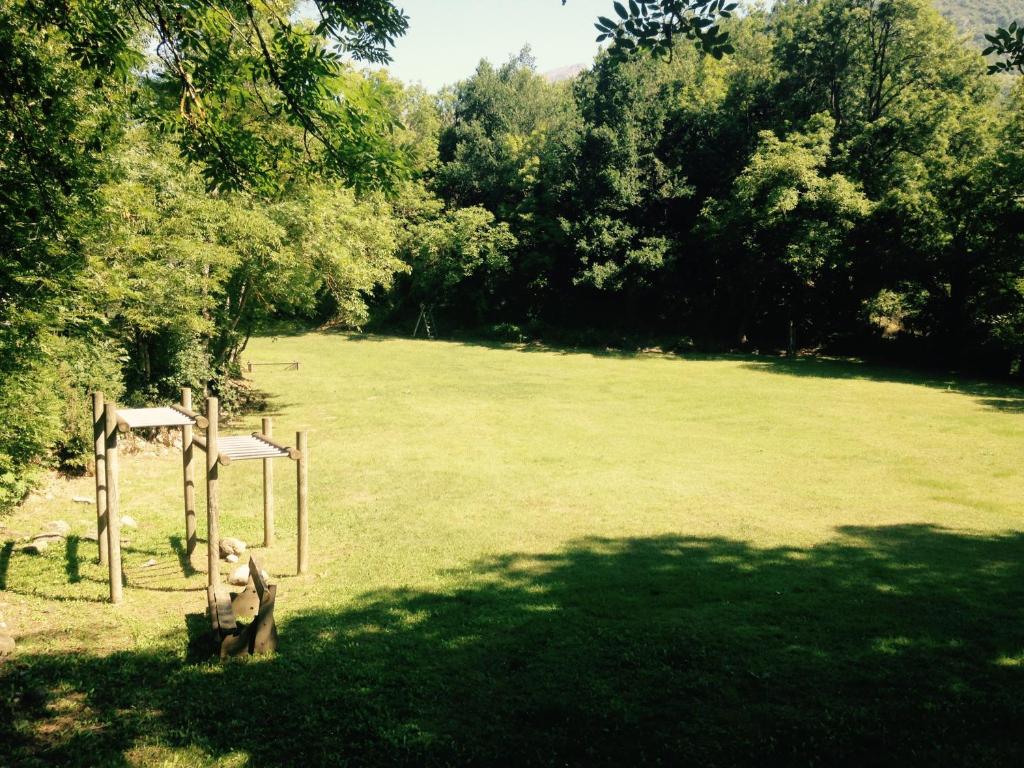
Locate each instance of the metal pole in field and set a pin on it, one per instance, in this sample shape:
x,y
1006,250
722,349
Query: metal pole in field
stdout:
x,y
268,489
302,492
99,449
113,500
188,476
212,525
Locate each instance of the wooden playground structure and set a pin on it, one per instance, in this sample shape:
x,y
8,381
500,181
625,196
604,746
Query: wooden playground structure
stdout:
x,y
109,421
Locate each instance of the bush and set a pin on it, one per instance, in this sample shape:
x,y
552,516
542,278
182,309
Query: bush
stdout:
x,y
47,411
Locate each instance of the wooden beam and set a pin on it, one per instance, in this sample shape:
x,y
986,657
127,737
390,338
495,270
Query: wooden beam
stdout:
x,y
268,488
99,456
302,494
188,473
293,453
113,503
212,499
186,410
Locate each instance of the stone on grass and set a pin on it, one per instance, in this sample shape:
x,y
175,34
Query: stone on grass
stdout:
x,y
90,536
240,576
6,645
36,547
83,499
231,546
127,521
61,527
149,563
232,558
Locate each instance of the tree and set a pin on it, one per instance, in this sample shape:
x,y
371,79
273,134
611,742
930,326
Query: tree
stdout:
x,y
1009,43
457,257
219,58
655,25
784,231
259,102
185,276
507,146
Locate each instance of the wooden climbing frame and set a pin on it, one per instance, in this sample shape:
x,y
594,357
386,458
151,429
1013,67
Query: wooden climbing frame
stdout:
x,y
109,421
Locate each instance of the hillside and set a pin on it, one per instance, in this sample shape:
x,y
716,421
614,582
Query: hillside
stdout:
x,y
977,17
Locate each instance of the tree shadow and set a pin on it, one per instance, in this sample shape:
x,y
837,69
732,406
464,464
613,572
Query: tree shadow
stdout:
x,y
178,545
884,646
5,563
71,559
1001,396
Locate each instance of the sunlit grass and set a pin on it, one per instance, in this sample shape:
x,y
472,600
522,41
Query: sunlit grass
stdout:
x,y
546,505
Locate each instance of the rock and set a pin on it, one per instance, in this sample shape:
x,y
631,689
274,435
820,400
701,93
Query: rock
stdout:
x,y
47,538
149,563
6,645
127,521
36,547
58,526
82,499
230,546
240,576
89,536
232,558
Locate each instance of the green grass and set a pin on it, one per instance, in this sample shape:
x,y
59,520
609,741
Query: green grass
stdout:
x,y
524,555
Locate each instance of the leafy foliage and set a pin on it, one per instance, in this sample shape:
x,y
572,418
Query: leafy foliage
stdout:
x,y
181,264
831,171
655,25
106,249
217,61
1008,43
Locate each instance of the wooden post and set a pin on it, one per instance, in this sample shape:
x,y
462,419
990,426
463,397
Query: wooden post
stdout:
x,y
113,502
791,346
212,510
268,489
188,477
302,492
250,366
99,436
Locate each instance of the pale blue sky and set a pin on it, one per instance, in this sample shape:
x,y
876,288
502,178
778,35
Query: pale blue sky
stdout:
x,y
447,38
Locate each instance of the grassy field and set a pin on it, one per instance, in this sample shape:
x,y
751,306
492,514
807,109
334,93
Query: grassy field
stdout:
x,y
522,555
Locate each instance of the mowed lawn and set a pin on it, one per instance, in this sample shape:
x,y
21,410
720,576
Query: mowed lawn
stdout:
x,y
534,556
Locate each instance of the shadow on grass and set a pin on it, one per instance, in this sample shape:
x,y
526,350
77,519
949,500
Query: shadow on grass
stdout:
x,y
1001,396
997,395
71,563
184,561
893,645
5,562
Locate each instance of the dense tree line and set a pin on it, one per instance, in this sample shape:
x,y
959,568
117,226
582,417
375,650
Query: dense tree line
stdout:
x,y
841,171
849,169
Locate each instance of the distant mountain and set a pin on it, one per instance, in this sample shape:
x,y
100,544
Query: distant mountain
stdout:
x,y
565,73
976,17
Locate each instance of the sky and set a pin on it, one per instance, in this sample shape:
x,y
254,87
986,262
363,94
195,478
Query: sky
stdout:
x,y
447,38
